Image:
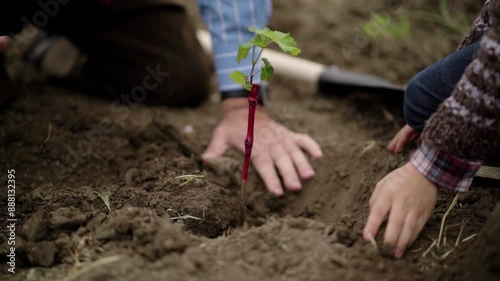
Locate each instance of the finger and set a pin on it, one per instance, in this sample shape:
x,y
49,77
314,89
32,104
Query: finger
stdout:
x,y
404,140
413,136
376,192
377,215
421,221
303,166
217,146
407,233
285,166
407,136
264,166
310,145
392,145
401,144
395,224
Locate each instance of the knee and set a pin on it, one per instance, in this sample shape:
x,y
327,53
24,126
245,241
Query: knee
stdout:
x,y
423,95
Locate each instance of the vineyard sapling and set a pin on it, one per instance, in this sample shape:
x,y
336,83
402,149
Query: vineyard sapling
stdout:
x,y
262,39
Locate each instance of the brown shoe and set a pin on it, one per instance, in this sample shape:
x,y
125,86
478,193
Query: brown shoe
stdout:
x,y
60,58
37,55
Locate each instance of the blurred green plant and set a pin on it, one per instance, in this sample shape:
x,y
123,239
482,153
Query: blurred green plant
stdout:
x,y
457,23
394,27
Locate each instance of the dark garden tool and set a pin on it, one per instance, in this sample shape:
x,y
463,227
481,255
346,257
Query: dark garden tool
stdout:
x,y
330,79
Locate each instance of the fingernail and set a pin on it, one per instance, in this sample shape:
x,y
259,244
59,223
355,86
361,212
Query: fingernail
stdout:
x,y
398,253
208,156
367,235
309,174
278,192
295,185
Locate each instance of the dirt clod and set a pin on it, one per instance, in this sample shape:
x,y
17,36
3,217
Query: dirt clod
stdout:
x,y
35,227
386,250
66,217
42,253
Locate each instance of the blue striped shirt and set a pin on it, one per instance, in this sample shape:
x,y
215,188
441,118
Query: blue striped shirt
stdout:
x,y
228,22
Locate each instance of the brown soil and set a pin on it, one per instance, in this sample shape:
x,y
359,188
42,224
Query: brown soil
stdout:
x,y
66,231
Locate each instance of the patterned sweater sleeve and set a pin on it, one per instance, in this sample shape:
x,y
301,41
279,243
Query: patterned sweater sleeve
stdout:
x,y
466,127
478,27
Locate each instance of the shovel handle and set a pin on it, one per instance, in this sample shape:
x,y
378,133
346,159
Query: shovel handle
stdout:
x,y
285,65
330,79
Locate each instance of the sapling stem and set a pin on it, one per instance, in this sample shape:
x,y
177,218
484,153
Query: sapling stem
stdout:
x,y
253,57
256,72
263,37
253,97
252,106
243,200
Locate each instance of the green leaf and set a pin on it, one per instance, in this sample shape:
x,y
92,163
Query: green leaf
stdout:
x,y
247,86
238,77
256,30
267,70
244,49
242,53
261,41
241,79
259,31
284,40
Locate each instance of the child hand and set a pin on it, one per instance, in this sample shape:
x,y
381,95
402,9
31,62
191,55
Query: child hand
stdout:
x,y
404,137
408,198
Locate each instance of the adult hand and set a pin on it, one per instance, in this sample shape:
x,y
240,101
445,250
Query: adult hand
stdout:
x,y
274,146
408,198
4,43
404,137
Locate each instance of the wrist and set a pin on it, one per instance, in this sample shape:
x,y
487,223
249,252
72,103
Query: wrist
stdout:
x,y
444,169
263,97
235,105
230,104
417,173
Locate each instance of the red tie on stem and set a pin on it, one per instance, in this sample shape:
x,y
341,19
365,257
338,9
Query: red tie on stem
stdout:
x,y
252,105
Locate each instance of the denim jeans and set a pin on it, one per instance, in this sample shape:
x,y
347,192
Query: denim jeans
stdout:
x,y
433,85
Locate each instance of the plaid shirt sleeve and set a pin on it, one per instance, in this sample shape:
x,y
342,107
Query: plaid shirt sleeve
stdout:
x,y
445,169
